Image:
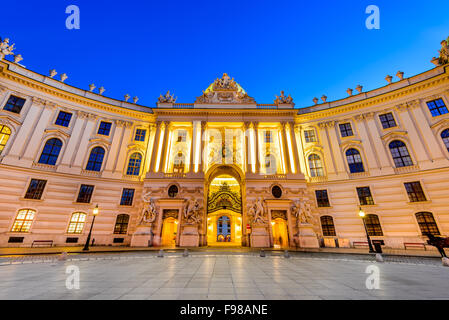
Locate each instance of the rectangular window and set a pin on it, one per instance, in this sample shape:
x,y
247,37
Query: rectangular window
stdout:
x,y
415,191
63,119
127,197
365,196
35,189
85,194
322,198
346,130
105,128
182,136
14,104
309,136
387,120
268,137
140,135
437,107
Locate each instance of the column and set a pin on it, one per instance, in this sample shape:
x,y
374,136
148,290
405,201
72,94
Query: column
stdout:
x,y
371,158
193,147
335,145
166,148
150,147
284,149
247,132
156,157
300,150
293,150
327,152
118,170
257,142
113,151
379,148
81,152
203,154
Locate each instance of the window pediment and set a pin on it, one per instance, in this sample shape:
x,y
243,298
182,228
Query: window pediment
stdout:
x,y
100,141
395,133
57,132
9,120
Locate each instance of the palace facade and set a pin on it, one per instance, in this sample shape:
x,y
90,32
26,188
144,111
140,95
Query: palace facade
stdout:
x,y
224,170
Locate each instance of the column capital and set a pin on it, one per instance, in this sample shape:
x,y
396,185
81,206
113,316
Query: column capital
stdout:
x,y
401,107
414,104
38,101
327,124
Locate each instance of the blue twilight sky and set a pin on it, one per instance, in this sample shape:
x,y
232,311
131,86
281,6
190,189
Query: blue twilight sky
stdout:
x,y
307,48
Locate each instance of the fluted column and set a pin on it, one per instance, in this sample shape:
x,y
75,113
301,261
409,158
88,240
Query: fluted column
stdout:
x,y
87,134
120,168
114,150
327,151
379,148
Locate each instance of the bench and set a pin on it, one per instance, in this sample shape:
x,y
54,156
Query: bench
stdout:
x,y
42,243
414,245
360,244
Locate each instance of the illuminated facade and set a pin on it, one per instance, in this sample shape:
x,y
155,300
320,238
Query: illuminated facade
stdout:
x,y
225,170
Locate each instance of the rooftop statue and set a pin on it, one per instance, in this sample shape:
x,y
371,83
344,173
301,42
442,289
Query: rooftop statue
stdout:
x,y
444,52
282,99
5,48
167,98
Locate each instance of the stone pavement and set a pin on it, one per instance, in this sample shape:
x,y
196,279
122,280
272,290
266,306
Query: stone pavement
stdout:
x,y
224,276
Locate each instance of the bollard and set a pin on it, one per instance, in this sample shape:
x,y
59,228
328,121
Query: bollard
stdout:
x,y
262,253
186,253
62,256
286,254
379,257
161,254
445,262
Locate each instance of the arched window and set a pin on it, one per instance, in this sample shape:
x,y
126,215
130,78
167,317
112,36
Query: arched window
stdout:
x,y
427,223
5,133
400,154
444,136
373,225
316,166
270,164
327,224
76,224
355,162
51,152
179,163
95,159
121,224
23,220
224,229
134,164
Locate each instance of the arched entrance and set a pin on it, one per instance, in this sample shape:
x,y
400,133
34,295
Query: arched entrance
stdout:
x,y
280,233
224,207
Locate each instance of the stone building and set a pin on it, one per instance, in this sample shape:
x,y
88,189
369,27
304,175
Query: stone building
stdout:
x,y
224,170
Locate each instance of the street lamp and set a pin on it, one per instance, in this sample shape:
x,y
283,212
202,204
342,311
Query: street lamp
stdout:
x,y
370,245
95,213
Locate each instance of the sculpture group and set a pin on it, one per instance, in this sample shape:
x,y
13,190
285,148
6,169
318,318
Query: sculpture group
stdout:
x,y
5,48
192,212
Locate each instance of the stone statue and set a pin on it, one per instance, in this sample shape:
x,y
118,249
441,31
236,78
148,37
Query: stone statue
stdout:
x,y
149,212
444,52
167,98
257,211
302,212
5,48
192,212
283,99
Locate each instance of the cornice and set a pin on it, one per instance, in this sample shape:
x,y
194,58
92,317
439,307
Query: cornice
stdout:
x,y
227,112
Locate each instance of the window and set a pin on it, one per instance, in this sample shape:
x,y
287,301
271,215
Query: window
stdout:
x,y
224,229
134,164
444,136
51,152
105,128
309,136
95,159
5,133
14,104
322,198
140,135
373,225
387,120
427,223
316,166
437,107
327,224
76,224
173,191
355,162
85,193
178,163
63,119
276,191
415,191
268,137
35,189
23,221
365,196
270,164
400,154
127,197
346,130
121,224
182,136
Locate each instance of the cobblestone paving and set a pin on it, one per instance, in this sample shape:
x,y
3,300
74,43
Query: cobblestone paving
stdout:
x,y
222,276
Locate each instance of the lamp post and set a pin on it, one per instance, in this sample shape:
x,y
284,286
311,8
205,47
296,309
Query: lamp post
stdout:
x,y
95,213
370,245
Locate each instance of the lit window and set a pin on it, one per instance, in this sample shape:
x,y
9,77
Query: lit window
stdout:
x,y
400,154
268,137
427,223
355,162
63,119
5,133
140,135
415,191
76,224
373,225
14,104
182,136
105,128
387,120
127,197
51,152
134,164
437,107
35,189
365,196
270,164
327,224
85,194
316,166
346,130
444,136
310,136
95,159
121,224
224,229
322,198
178,163
23,221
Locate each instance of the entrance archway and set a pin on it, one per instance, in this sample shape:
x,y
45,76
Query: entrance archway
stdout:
x,y
280,233
169,229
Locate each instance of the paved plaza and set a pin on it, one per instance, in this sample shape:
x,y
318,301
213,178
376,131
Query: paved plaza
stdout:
x,y
220,276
